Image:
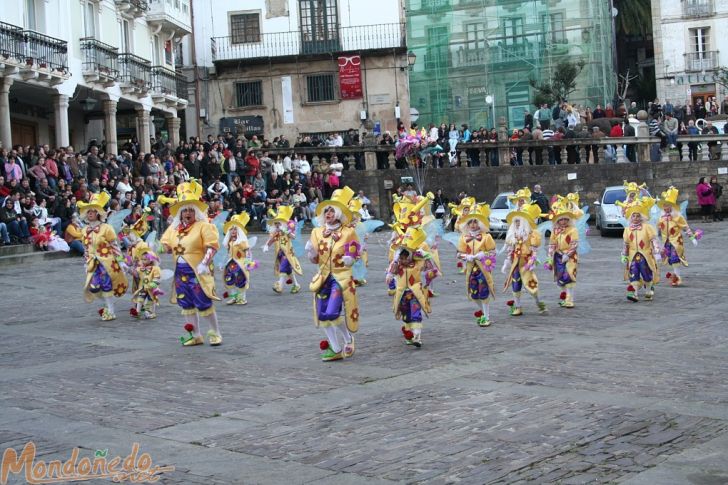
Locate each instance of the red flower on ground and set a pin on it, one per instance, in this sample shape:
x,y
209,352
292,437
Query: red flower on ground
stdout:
x,y
101,311
289,281
189,327
133,312
324,344
478,314
562,295
225,295
510,302
630,288
409,335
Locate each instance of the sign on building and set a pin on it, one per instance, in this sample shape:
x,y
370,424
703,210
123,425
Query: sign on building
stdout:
x,y
350,77
242,125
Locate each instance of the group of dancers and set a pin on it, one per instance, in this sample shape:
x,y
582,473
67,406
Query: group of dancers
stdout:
x,y
337,246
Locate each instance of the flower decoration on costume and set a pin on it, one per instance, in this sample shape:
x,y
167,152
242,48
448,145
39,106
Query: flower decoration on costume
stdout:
x,y
355,314
338,260
510,303
179,250
251,264
353,249
133,312
324,344
119,290
489,263
189,328
323,247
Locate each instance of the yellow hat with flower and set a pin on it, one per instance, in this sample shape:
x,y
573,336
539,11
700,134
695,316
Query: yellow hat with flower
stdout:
x,y
669,198
640,205
339,199
632,187
284,214
479,212
188,193
565,207
523,194
238,220
97,202
530,212
413,239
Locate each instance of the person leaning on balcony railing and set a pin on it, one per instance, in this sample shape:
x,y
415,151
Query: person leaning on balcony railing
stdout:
x,y
714,147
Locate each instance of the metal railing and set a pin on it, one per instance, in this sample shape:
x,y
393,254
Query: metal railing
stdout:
x,y
293,43
701,61
182,86
33,48
135,71
164,81
698,8
100,58
140,5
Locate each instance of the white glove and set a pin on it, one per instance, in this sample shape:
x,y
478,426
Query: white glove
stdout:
x,y
469,258
506,266
348,261
388,278
694,241
266,248
124,267
564,258
479,255
203,269
658,257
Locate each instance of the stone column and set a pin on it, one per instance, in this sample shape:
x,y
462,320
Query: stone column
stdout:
x,y
643,134
143,131
504,153
173,124
6,135
110,126
60,108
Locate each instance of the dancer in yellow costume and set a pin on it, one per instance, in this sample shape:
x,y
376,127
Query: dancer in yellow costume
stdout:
x,y
458,211
105,266
134,252
148,275
632,191
476,249
520,198
236,274
671,226
563,259
410,264
641,250
522,243
335,247
282,231
193,242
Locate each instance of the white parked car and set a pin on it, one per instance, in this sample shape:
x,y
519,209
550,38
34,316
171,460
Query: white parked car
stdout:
x,y
609,219
499,209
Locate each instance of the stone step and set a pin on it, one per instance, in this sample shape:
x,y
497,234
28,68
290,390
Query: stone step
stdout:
x,y
16,249
32,257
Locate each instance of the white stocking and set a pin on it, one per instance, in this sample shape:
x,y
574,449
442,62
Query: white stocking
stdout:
x,y
212,320
517,300
417,331
486,309
282,280
139,306
332,337
676,270
293,277
535,297
195,321
344,331
109,301
242,294
570,293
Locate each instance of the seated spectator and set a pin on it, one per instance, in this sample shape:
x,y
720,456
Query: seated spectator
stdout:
x,y
74,235
15,222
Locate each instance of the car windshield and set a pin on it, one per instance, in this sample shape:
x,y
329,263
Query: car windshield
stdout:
x,y
500,202
613,196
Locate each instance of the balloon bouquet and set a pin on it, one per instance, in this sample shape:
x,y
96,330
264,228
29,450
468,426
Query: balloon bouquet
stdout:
x,y
418,150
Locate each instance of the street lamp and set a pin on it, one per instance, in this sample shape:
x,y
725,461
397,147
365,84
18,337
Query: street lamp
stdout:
x,y
411,59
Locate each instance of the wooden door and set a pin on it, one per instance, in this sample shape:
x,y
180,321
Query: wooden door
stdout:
x,y
24,133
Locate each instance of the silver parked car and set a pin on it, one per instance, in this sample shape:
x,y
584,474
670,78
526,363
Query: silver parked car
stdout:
x,y
499,209
609,219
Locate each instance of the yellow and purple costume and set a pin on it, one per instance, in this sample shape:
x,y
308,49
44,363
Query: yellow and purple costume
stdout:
x,y
236,274
520,264
671,226
640,251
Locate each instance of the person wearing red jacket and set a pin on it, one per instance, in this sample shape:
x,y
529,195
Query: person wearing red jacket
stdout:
x,y
252,166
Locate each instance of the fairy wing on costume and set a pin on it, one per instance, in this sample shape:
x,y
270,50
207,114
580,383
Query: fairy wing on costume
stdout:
x,y
582,226
435,230
299,246
542,254
221,256
452,237
684,209
151,241
116,220
654,215
166,274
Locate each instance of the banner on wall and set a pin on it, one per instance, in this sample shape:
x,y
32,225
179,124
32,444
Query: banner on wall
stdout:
x,y
287,100
350,77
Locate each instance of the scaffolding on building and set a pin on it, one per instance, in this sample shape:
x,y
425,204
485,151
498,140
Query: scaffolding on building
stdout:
x,y
476,57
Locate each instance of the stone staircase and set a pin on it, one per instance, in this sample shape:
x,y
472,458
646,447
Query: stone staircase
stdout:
x,y
27,254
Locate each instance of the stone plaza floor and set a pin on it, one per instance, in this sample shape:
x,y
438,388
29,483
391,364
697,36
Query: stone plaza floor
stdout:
x,y
610,391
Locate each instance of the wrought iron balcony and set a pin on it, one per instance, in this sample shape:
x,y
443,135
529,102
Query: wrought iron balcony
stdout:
x,y
173,15
164,81
701,61
137,8
33,49
698,8
298,43
136,73
182,86
99,60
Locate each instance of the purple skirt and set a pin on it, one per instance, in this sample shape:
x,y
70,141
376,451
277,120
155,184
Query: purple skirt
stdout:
x,y
189,292
639,270
100,281
671,253
478,285
234,275
284,266
562,276
329,300
410,308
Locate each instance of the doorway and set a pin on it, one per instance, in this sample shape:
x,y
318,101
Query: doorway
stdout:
x,y
24,133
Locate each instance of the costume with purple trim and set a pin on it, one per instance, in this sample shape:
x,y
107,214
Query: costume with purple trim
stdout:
x,y
282,230
641,250
236,273
671,226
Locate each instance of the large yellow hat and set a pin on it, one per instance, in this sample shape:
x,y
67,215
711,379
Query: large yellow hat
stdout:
x,y
97,202
523,194
413,239
530,212
139,249
669,197
633,187
641,205
339,199
239,220
284,214
141,225
188,193
479,212
566,207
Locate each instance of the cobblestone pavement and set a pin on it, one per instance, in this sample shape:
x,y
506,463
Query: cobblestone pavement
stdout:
x,y
610,391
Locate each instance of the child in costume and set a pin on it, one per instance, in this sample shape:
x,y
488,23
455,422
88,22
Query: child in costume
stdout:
x,y
476,249
458,212
136,247
520,198
522,243
671,226
641,250
282,230
411,300
335,247
105,266
236,272
632,191
563,243
193,242
148,275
